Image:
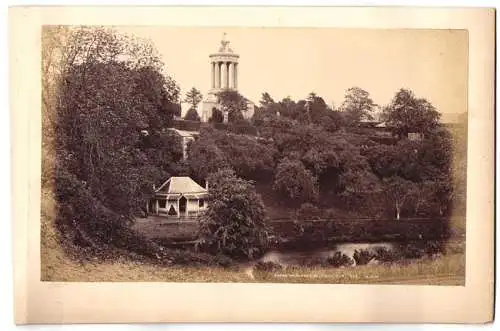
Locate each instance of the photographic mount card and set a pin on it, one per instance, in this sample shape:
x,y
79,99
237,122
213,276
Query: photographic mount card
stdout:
x,y
251,164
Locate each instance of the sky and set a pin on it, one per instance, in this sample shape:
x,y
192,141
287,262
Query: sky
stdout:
x,y
296,61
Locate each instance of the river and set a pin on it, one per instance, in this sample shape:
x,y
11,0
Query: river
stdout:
x,y
291,257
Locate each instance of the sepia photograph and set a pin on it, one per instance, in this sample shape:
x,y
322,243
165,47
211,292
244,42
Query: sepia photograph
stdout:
x,y
254,155
252,164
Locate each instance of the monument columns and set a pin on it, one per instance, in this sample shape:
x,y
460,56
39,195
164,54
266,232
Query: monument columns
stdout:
x,y
213,74
230,75
223,72
217,74
235,75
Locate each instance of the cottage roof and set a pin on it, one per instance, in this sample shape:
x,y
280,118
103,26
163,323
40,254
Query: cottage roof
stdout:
x,y
180,185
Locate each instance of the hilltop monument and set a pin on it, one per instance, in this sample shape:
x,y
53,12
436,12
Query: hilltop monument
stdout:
x,y
224,76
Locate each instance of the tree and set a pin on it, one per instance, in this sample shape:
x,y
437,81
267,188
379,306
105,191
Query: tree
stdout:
x,y
234,223
434,197
193,97
233,104
357,106
217,116
295,182
407,113
205,157
104,90
266,100
192,115
398,191
249,158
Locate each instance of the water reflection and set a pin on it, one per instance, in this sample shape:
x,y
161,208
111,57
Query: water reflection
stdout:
x,y
286,258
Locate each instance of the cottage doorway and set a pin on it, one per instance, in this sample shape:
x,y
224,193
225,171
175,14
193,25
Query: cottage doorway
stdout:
x,y
152,206
182,206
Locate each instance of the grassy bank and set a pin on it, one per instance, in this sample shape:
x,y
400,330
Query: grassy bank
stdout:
x,y
447,270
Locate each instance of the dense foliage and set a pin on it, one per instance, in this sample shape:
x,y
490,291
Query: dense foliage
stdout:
x,y
109,101
234,224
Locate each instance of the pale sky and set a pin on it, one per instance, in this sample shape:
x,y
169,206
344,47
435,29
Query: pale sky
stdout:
x,y
296,61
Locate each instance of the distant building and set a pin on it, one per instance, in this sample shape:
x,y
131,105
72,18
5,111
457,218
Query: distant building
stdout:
x,y
178,196
186,138
224,77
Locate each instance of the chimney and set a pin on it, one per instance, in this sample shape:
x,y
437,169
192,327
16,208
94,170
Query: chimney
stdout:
x,y
206,184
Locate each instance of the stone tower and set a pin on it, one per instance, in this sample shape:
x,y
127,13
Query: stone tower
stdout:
x,y
224,69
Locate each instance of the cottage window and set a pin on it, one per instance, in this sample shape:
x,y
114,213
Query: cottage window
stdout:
x,y
201,202
162,203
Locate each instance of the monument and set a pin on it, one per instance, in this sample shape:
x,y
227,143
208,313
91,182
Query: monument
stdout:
x,y
224,69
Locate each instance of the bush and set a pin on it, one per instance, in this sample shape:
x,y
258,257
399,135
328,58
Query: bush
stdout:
x,y
268,266
433,247
363,256
411,251
192,115
223,260
386,255
339,260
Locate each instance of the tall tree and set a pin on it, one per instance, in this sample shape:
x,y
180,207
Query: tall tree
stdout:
x,y
407,113
193,97
357,105
109,88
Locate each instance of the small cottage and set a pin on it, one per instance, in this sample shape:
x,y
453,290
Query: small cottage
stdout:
x,y
178,197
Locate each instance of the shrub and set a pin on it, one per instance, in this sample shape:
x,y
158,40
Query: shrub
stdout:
x,y
192,115
411,251
223,260
433,247
386,255
338,259
363,256
268,266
